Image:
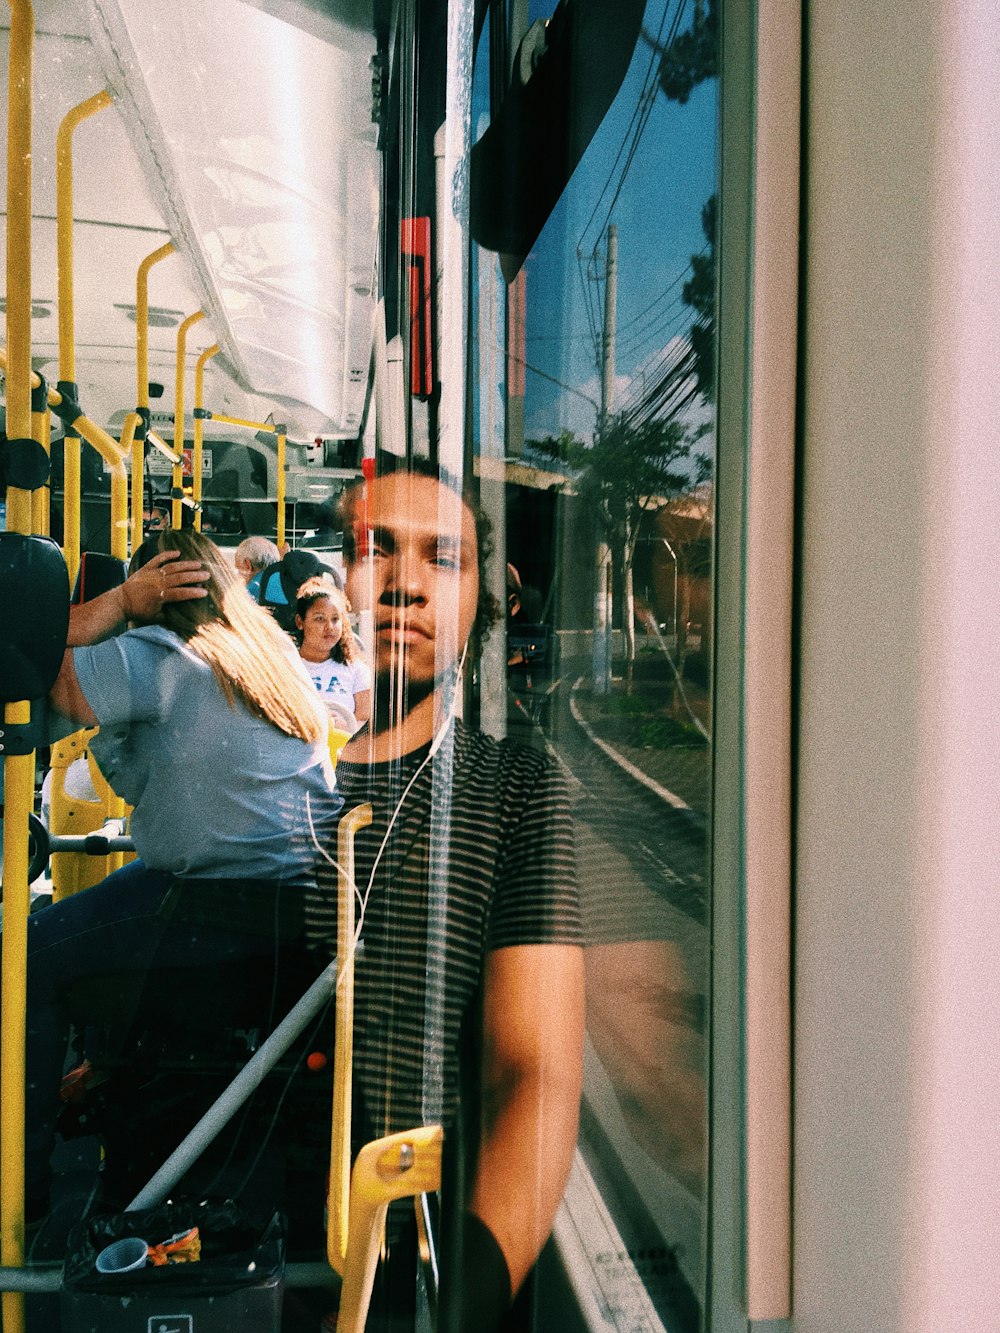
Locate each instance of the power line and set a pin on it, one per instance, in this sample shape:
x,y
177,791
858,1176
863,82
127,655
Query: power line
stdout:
x,y
670,319
636,111
551,378
684,273
646,102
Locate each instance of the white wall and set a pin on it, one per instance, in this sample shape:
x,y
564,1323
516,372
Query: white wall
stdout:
x,y
897,996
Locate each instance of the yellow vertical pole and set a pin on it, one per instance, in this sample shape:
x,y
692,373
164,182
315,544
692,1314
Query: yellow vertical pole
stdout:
x,y
142,377
338,1196
67,348
41,431
129,445
178,481
282,449
142,322
199,403
19,770
64,226
137,448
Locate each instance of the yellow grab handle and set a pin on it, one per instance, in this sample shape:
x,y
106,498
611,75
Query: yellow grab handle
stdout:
x,y
388,1169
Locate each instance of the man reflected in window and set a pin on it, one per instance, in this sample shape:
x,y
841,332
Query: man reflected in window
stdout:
x,y
469,980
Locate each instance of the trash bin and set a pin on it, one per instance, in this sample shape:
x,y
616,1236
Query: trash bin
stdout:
x,y
237,1283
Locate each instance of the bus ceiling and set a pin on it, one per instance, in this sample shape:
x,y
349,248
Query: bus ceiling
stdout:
x,y
244,133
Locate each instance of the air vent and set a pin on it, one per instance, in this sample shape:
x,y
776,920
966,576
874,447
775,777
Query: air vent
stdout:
x,y
159,318
39,309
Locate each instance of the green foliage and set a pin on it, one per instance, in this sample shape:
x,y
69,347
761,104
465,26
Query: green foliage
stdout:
x,y
628,470
626,705
633,720
661,733
693,56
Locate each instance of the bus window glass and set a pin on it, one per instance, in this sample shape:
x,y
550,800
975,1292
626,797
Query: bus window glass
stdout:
x,y
593,421
509,620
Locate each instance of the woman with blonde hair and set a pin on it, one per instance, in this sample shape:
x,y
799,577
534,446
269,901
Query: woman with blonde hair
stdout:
x,y
212,732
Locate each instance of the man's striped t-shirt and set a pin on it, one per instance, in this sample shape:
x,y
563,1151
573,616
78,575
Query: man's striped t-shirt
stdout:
x,y
479,857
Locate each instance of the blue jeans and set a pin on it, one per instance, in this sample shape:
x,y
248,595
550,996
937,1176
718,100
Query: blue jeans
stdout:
x,y
118,926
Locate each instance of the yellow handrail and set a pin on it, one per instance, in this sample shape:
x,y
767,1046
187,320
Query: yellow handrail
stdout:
x,y
109,449
132,448
89,430
67,348
19,770
282,447
178,476
267,426
142,375
270,428
196,452
64,226
142,322
339,1189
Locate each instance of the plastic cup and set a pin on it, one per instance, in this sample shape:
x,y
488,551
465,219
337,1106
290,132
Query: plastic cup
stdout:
x,y
123,1256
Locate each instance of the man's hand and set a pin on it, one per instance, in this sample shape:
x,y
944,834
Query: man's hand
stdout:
x,y
141,597
163,579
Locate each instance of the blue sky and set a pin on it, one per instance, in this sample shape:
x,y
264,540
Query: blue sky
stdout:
x,y
658,214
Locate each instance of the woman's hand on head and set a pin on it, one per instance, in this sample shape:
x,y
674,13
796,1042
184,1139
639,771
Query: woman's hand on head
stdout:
x,y
163,579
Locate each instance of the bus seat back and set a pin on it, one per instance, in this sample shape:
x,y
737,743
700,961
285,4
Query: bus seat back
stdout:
x,y
98,573
34,615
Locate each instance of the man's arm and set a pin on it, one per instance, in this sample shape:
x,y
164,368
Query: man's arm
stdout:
x,y
532,1077
163,579
67,697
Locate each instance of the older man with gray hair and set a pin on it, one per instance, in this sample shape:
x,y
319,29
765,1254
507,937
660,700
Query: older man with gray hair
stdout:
x,y
253,555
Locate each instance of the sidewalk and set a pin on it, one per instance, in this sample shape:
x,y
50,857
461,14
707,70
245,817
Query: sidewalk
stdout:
x,y
642,734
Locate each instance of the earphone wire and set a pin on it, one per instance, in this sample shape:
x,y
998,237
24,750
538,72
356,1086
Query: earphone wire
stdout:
x,y
435,745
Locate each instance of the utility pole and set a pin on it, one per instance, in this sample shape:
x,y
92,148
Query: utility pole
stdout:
x,y
603,579
608,340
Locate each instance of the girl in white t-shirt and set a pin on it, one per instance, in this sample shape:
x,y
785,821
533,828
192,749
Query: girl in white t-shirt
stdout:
x,y
331,653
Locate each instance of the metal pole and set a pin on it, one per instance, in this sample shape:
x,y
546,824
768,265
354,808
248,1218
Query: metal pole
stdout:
x,y
673,556
246,1081
608,341
177,486
603,590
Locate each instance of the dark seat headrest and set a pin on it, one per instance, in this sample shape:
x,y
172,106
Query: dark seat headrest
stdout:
x,y
98,573
34,615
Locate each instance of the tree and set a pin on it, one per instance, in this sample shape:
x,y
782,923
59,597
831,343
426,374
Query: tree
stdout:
x,y
629,471
692,56
699,293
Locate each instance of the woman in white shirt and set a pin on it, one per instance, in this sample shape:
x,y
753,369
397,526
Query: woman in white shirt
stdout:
x,y
331,654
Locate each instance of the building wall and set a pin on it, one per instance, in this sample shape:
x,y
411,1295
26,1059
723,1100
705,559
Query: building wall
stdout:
x,y
897,945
